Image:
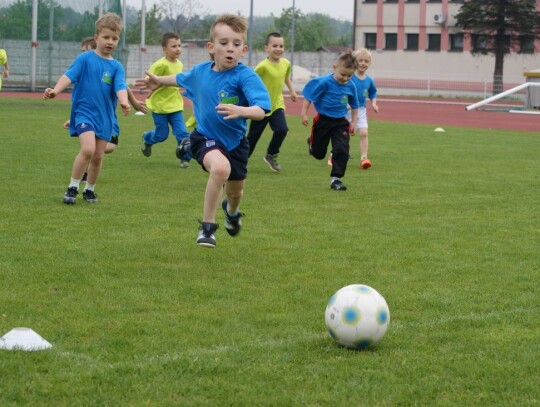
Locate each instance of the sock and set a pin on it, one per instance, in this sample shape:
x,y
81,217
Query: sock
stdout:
x,y
74,183
332,179
364,156
89,187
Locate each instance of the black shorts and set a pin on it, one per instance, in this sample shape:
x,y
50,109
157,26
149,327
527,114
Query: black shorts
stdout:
x,y
114,140
238,158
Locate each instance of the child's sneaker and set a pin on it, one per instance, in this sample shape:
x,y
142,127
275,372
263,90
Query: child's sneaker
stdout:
x,y
184,163
146,149
89,196
330,161
233,224
365,164
206,236
71,196
337,185
183,148
271,160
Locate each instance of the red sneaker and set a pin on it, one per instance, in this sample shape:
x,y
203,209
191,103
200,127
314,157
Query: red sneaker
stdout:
x,y
365,164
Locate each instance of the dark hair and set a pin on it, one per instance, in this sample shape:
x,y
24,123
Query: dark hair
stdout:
x,y
347,60
168,36
274,34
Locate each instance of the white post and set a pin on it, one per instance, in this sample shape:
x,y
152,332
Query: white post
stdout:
x,y
34,44
500,95
143,34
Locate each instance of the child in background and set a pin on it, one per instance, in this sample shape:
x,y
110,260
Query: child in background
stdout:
x,y
364,84
331,95
166,102
99,80
4,63
275,71
225,93
89,44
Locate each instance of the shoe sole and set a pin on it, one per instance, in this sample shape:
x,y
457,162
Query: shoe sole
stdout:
x,y
69,201
270,165
204,244
365,166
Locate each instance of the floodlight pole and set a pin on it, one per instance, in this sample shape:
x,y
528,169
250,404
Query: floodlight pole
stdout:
x,y
34,44
143,34
292,39
250,33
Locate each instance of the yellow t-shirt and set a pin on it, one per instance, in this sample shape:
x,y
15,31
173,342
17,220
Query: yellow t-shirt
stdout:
x,y
273,76
166,99
3,60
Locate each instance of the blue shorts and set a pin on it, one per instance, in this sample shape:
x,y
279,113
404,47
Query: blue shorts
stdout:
x,y
86,127
238,158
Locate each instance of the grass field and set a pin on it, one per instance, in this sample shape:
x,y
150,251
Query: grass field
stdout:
x,y
446,226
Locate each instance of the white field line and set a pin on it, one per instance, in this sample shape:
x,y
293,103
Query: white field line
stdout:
x,y
195,353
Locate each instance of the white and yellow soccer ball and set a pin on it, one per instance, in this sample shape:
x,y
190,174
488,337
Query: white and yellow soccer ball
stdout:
x,y
357,316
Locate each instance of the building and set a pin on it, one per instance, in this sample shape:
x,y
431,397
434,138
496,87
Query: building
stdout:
x,y
418,39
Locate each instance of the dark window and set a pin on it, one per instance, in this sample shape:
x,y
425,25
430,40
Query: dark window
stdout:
x,y
479,42
390,41
370,40
412,42
456,42
434,42
526,44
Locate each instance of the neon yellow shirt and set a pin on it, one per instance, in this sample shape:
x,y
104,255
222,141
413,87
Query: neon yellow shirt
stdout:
x,y
3,56
273,76
166,99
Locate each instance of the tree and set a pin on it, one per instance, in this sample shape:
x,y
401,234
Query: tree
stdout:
x,y
498,27
152,27
178,16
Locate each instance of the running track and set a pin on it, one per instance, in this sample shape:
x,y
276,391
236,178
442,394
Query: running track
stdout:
x,y
439,113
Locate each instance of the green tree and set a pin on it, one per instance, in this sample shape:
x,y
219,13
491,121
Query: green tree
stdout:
x,y
310,32
497,27
153,31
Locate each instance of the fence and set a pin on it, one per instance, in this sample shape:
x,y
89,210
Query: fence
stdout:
x,y
53,59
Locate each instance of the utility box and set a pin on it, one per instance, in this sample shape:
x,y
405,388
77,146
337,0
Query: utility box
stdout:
x,y
532,102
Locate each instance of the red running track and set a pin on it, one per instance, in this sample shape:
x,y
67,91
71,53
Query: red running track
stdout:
x,y
439,113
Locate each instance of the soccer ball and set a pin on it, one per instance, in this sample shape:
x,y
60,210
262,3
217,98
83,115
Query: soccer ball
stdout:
x,y
357,316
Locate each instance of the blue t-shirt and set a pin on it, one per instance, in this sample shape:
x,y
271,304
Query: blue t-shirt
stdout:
x,y
96,81
207,88
330,97
363,86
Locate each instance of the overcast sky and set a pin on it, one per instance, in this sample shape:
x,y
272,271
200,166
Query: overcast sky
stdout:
x,y
336,8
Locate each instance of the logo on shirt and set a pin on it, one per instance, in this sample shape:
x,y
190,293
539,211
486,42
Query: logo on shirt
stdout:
x,y
344,99
225,99
107,77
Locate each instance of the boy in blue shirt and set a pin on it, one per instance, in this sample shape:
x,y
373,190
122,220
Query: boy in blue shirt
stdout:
x,y
330,94
99,80
224,93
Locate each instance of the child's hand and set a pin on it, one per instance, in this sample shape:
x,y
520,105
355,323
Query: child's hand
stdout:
x,y
375,107
294,96
151,82
304,120
125,108
66,124
351,129
229,111
49,94
140,106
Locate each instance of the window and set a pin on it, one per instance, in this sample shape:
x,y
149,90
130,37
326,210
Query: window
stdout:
x,y
479,42
526,44
434,42
412,42
456,42
390,41
370,40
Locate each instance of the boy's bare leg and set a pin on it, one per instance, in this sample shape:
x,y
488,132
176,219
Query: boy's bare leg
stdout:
x,y
96,161
219,169
234,190
88,147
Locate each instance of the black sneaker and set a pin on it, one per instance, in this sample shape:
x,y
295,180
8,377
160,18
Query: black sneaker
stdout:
x,y
89,196
206,236
146,149
271,160
233,224
71,196
184,147
337,185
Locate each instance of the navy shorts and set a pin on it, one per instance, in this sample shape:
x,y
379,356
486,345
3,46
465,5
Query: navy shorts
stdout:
x,y
238,158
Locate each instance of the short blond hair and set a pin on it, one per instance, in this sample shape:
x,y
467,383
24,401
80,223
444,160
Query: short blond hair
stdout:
x,y
111,21
362,52
237,23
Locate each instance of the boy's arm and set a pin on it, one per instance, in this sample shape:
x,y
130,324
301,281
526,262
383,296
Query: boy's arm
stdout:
x,y
352,123
303,114
6,70
136,103
153,82
234,112
291,89
374,105
62,83
122,96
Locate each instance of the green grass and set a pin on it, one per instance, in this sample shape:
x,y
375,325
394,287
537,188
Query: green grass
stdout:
x,y
445,225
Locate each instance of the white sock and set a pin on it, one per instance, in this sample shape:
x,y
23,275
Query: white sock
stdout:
x,y
89,187
74,183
